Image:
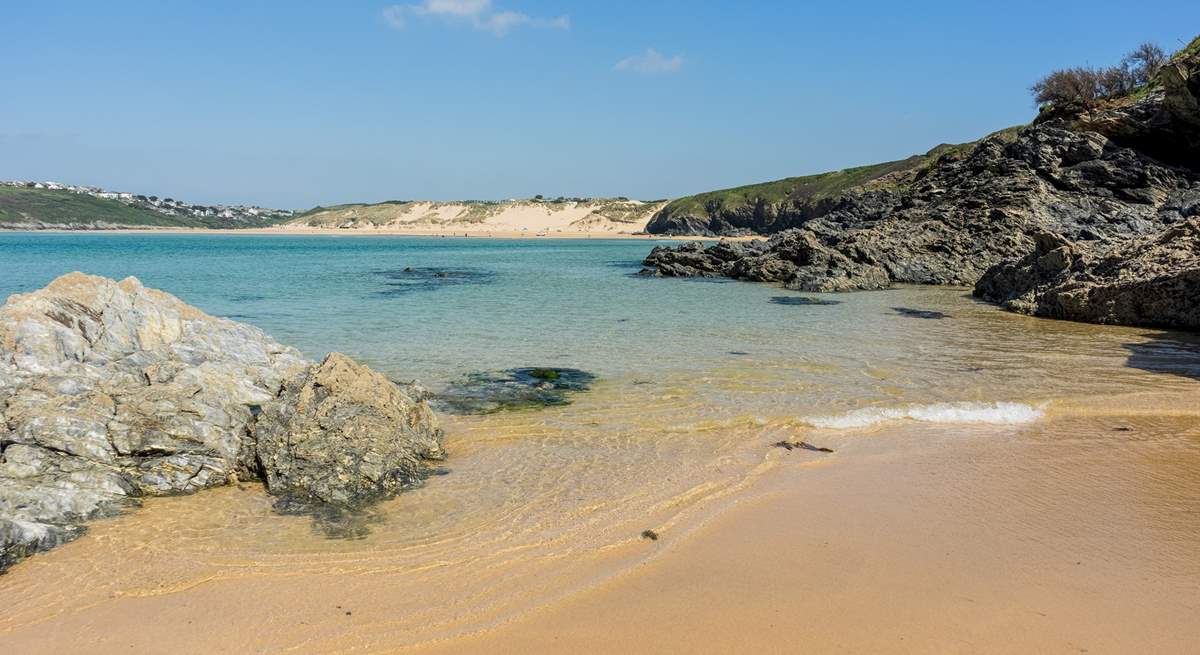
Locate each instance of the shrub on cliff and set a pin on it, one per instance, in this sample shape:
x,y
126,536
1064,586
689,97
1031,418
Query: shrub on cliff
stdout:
x,y
1084,86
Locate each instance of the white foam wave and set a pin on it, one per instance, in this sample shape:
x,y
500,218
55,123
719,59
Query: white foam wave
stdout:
x,y
997,413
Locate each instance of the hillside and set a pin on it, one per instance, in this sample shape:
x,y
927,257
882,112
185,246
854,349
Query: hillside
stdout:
x,y
37,206
533,216
771,207
22,208
1105,176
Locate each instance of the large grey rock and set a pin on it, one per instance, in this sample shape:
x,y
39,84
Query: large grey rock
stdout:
x,y
343,433
1153,281
110,391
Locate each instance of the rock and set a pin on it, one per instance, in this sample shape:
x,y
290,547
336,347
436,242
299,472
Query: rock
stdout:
x,y
342,434
801,301
1124,171
110,392
413,280
514,389
919,313
1154,281
801,445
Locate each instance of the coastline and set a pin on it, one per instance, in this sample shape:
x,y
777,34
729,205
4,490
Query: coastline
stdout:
x,y
361,232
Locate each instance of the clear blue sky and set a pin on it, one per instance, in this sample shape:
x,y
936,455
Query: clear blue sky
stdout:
x,y
302,103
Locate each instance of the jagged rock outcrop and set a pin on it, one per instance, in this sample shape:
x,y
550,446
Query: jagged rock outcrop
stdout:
x,y
1152,281
342,433
1122,171
962,216
110,391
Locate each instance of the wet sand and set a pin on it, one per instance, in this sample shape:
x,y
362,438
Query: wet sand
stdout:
x,y
940,541
1078,533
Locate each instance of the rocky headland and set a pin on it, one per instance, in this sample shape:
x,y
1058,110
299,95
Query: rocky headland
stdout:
x,y
111,392
1119,180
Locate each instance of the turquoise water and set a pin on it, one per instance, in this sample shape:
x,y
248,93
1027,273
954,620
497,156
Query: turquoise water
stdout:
x,y
578,303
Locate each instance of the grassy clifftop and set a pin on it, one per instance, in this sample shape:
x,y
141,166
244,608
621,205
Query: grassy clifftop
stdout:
x,y
30,207
26,207
768,206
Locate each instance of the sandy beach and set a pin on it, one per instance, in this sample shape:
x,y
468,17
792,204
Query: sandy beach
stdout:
x,y
909,539
936,542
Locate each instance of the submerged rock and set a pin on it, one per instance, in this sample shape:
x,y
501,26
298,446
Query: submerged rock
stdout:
x,y
920,313
110,391
411,279
518,388
803,301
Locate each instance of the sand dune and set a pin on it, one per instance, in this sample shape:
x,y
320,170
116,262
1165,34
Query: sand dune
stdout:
x,y
603,216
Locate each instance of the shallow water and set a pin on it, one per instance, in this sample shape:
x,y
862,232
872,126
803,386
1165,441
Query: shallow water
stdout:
x,y
694,381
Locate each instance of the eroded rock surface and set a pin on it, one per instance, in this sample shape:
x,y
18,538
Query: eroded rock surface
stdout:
x,y
110,391
1151,281
342,433
1120,172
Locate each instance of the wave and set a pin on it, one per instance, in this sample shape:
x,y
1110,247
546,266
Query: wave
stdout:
x,y
997,413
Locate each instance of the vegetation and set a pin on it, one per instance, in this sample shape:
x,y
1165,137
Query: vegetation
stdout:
x,y
811,189
465,212
28,206
1085,86
808,188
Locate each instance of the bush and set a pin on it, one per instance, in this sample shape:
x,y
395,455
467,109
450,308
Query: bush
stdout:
x,y
1070,86
1145,62
1085,86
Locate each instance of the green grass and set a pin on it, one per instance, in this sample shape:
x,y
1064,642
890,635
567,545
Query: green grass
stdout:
x,y
23,205
814,188
809,188
1190,50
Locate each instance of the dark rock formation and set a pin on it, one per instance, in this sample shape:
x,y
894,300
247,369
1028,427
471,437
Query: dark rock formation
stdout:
x,y
1150,281
963,216
110,391
1126,170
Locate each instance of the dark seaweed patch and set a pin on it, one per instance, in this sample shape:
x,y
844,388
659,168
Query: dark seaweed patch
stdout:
x,y
408,280
795,301
919,313
514,389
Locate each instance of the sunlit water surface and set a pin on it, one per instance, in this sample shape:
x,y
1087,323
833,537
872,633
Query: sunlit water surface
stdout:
x,y
695,381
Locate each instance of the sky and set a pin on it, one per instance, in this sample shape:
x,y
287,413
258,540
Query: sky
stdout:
x,y
297,104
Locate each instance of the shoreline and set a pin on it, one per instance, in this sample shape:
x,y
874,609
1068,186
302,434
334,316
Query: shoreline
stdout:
x,y
818,553
510,235
822,554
